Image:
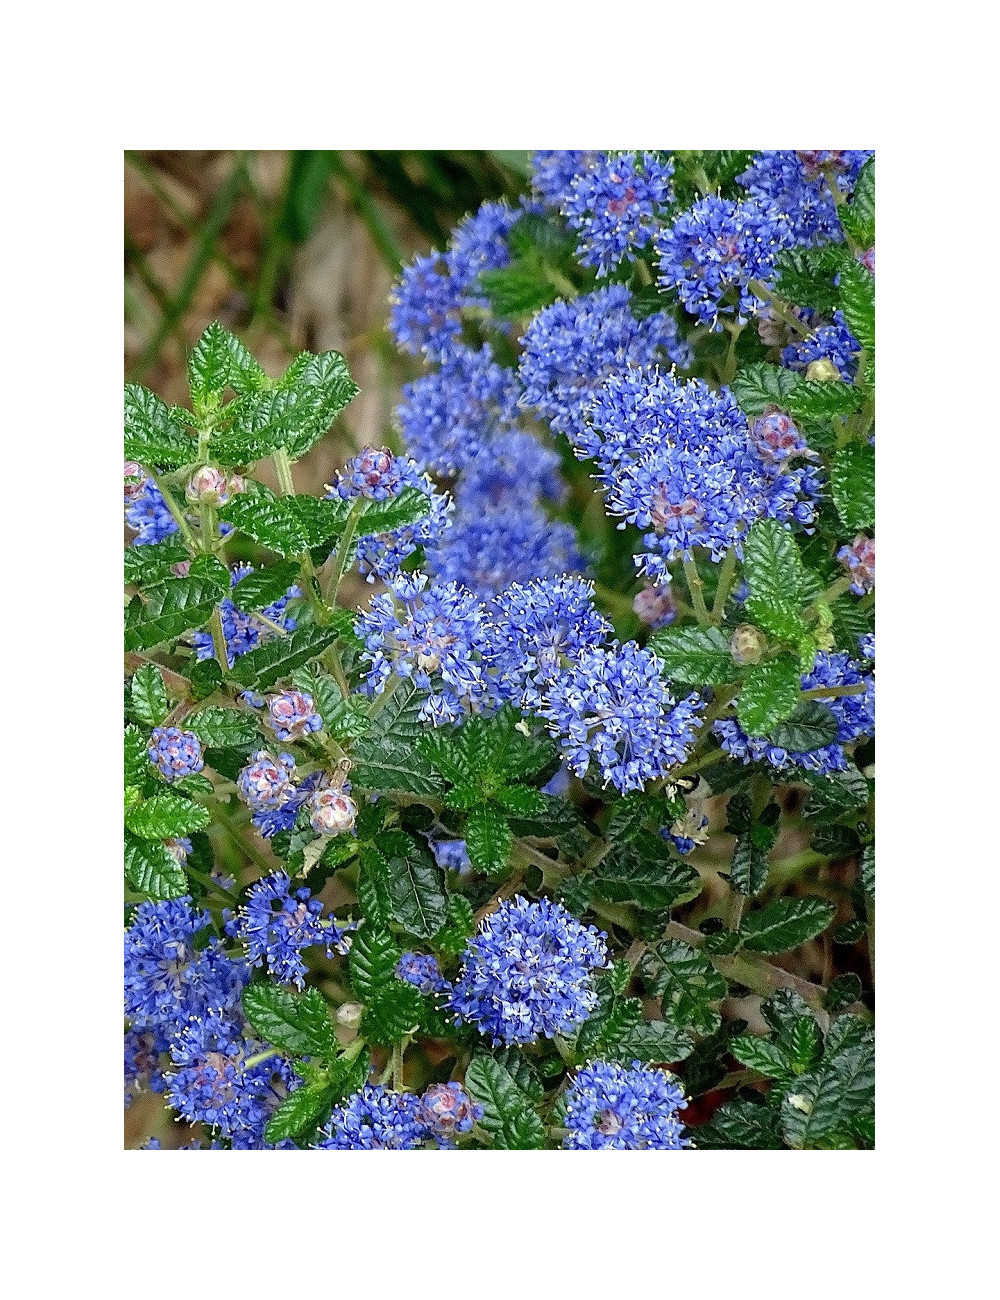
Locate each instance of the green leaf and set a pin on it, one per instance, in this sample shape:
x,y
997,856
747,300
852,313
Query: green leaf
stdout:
x,y
264,586
811,726
699,655
295,414
146,565
392,1013
653,1040
652,878
784,923
522,800
760,1054
749,868
174,607
868,871
816,400
287,525
687,984
770,694
416,884
205,676
488,839
453,937
852,485
296,1023
508,1116
843,991
516,290
137,769
151,869
775,574
759,386
270,662
149,696
801,1042
835,795
166,816
373,887
857,298
858,219
219,361
389,756
395,512
154,437
302,1110
740,1125
220,728
829,1101
373,961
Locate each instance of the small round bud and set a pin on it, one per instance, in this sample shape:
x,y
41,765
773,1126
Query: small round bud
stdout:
x,y
822,370
349,1014
176,753
428,661
747,644
181,569
867,260
291,715
446,1109
333,812
135,480
777,437
207,486
655,606
264,783
236,484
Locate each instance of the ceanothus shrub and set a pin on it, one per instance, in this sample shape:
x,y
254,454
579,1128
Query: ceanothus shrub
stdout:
x,y
564,838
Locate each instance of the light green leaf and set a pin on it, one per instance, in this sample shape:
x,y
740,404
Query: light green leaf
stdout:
x,y
149,695
697,655
296,1023
488,839
166,816
154,437
852,485
770,694
508,1116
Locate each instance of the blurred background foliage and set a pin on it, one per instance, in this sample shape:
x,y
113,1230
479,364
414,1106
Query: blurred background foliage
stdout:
x,y
290,250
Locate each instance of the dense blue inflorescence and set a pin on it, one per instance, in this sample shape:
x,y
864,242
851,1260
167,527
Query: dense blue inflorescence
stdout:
x,y
528,973
613,1107
276,923
375,1119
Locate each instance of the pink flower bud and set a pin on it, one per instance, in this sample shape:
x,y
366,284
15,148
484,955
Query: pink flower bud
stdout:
x,y
137,475
207,486
333,812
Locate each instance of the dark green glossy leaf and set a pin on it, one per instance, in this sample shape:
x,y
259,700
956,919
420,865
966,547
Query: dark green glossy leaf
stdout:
x,y
784,923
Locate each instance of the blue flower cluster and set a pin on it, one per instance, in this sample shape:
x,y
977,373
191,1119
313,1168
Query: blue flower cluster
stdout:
x,y
553,172
535,630
855,715
529,972
379,476
174,970
171,971
275,925
422,971
833,343
221,1078
713,251
436,639
267,787
292,715
377,1119
243,631
570,348
427,304
798,182
616,204
679,458
148,514
859,560
612,1107
612,707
